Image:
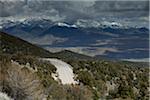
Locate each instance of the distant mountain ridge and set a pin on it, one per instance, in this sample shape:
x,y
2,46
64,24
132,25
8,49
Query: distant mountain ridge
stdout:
x,y
126,41
78,24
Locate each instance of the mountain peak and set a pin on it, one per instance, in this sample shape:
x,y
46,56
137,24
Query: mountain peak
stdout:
x,y
66,25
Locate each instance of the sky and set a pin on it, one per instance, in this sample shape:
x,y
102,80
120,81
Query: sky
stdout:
x,y
131,11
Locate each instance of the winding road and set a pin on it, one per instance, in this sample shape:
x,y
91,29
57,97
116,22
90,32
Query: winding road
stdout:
x,y
64,70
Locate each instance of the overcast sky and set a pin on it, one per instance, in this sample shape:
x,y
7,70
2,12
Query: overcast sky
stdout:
x,y
72,10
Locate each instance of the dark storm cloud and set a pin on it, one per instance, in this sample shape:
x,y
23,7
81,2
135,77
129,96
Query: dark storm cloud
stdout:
x,y
122,8
10,9
119,6
73,10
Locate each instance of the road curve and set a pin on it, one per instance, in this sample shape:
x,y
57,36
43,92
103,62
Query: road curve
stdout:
x,y
64,70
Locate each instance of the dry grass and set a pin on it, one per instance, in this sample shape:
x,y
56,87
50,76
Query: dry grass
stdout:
x,y
20,83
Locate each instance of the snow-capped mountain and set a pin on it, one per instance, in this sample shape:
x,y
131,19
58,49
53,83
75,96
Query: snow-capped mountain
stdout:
x,y
9,22
112,24
98,24
46,22
115,39
40,25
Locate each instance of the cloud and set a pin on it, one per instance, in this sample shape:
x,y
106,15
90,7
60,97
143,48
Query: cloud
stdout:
x,y
30,9
72,10
122,8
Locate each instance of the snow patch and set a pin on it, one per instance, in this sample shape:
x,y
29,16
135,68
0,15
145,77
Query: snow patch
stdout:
x,y
66,25
1,27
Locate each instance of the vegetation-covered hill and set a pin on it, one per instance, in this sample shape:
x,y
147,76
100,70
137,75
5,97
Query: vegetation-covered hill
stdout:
x,y
13,45
97,79
23,76
28,78
111,80
66,54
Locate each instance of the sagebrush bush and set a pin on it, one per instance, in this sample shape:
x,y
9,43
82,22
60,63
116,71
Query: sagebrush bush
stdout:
x,y
20,83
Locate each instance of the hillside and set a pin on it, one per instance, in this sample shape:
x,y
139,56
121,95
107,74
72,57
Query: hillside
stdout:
x,y
96,78
13,45
66,54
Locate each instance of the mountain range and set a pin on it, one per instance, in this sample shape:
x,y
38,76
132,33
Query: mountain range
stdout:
x,y
100,39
